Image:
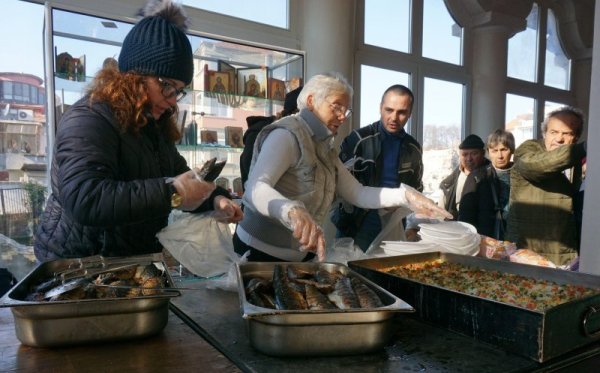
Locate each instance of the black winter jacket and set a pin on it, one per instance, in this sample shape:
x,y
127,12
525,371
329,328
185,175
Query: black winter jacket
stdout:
x,y
255,124
363,147
109,196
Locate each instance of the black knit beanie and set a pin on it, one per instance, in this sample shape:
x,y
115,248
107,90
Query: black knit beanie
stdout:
x,y
290,105
157,45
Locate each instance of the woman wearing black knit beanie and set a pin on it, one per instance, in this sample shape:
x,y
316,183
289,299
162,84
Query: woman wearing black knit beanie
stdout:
x,y
116,173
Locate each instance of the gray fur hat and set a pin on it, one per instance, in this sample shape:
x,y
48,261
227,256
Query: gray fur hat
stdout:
x,y
157,45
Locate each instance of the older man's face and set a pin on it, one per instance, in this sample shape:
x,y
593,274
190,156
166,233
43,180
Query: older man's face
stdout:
x,y
471,159
559,132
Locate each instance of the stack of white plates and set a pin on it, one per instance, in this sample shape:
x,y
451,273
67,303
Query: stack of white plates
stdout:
x,y
392,248
452,236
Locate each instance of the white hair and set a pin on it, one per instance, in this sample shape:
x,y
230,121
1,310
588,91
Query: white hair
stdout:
x,y
322,86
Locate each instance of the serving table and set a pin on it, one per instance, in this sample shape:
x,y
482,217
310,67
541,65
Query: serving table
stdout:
x,y
206,333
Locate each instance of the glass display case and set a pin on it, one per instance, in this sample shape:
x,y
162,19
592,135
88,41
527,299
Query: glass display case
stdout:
x,y
232,81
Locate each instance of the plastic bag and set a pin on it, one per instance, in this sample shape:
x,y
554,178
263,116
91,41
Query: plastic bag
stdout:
x,y
343,250
200,243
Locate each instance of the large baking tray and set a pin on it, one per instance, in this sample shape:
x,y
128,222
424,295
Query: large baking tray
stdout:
x,y
318,333
538,335
70,322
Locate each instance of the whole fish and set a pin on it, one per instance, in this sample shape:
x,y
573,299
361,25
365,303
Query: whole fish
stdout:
x,y
287,297
317,300
366,297
343,295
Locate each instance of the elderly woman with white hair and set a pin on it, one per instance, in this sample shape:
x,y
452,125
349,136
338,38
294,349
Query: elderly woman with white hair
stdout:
x,y
296,174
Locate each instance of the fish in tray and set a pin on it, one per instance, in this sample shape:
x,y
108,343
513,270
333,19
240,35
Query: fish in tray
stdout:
x,y
130,280
294,288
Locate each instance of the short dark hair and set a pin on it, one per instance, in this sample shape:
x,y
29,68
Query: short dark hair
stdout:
x,y
576,114
401,90
503,137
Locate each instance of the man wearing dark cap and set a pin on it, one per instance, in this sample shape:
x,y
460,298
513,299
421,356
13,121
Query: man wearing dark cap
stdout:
x,y
257,123
380,154
463,180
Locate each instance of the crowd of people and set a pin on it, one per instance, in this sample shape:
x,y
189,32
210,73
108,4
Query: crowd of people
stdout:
x,y
117,174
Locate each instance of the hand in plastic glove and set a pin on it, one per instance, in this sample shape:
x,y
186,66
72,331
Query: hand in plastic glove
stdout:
x,y
423,206
192,190
308,232
227,211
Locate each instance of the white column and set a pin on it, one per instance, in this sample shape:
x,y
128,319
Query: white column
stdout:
x,y
326,29
590,248
489,56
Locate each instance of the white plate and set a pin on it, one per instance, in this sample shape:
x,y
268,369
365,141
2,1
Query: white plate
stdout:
x,y
452,227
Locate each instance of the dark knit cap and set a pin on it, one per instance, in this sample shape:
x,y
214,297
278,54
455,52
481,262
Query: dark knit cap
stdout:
x,y
291,101
157,45
472,142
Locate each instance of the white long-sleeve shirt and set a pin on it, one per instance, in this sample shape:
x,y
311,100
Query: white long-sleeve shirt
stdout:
x,y
278,153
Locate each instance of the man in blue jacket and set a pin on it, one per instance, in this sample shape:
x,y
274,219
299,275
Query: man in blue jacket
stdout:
x,y
380,154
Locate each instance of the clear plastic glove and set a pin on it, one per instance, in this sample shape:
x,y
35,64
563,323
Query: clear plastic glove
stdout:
x,y
423,206
227,211
192,190
307,232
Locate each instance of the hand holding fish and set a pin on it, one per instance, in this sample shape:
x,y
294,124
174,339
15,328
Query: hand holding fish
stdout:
x,y
423,206
307,232
192,191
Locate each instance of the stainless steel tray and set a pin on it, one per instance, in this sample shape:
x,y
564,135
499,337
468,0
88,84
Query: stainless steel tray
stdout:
x,y
68,322
312,333
539,335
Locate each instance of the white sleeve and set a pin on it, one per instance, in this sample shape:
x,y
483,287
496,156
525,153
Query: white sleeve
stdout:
x,y
278,153
367,197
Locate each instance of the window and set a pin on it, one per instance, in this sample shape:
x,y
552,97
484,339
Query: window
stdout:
x,y
373,82
529,95
558,65
519,117
522,49
442,37
269,12
383,15
416,54
442,127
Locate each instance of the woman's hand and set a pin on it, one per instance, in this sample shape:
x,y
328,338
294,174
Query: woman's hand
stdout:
x,y
423,206
192,190
226,210
307,232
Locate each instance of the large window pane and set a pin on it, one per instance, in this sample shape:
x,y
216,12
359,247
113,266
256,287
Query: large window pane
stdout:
x,y
22,132
442,37
374,81
558,65
442,127
522,49
519,117
381,16
269,12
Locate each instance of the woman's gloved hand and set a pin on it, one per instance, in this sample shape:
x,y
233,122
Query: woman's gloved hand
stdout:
x,y
227,211
192,190
307,232
423,206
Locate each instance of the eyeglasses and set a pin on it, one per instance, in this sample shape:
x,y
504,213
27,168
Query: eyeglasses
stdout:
x,y
168,90
339,110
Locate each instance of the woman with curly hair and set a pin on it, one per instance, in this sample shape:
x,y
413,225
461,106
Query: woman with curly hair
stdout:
x,y
116,173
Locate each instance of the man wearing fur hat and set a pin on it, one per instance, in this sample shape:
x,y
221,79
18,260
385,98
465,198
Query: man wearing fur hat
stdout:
x,y
116,173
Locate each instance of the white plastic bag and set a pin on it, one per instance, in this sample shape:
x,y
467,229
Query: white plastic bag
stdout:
x,y
200,243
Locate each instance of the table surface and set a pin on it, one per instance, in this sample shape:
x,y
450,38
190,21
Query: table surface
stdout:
x,y
178,348
216,315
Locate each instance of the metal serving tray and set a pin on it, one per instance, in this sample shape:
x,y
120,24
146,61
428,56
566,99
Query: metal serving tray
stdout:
x,y
49,324
314,333
539,335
